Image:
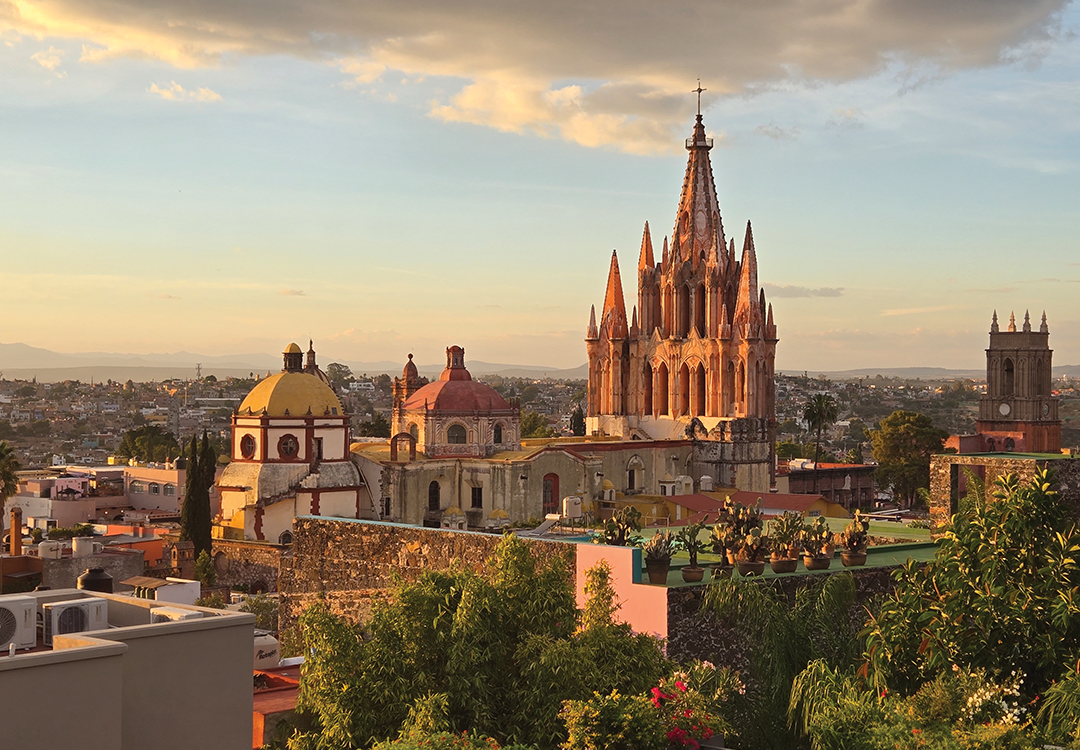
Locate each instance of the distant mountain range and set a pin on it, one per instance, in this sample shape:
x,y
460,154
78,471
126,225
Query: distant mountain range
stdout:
x,y
915,373
23,362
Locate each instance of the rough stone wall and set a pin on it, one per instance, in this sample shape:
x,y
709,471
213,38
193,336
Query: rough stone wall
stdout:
x,y
989,469
354,563
120,564
694,633
254,564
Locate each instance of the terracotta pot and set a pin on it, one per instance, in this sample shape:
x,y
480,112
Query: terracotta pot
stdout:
x,y
750,568
783,564
693,575
853,558
816,563
658,571
829,551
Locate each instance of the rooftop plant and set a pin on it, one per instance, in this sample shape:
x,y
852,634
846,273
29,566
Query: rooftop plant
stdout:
x,y
619,530
816,536
753,547
689,539
785,531
854,538
659,547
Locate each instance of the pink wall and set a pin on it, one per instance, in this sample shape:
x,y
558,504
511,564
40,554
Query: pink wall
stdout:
x,y
642,606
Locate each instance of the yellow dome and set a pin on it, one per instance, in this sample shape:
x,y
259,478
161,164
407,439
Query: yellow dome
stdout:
x,y
295,392
607,485
293,349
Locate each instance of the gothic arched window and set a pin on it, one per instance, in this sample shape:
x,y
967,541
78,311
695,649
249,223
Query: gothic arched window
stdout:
x,y
1008,377
434,501
456,435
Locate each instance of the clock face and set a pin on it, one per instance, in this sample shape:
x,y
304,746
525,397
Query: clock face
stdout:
x,y
1004,409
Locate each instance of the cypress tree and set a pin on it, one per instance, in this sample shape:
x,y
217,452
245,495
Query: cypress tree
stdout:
x,y
195,518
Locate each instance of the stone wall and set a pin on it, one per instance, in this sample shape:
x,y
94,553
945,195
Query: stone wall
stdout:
x,y
354,563
121,564
697,634
252,564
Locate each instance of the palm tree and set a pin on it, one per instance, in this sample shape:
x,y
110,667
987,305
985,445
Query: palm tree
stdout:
x,y
820,412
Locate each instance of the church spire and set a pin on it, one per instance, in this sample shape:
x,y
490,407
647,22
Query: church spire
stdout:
x,y
1043,328
994,324
646,260
746,303
1027,321
698,221
591,333
1012,322
613,318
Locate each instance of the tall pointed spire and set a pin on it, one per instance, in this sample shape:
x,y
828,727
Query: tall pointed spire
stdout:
x,y
1027,321
1043,328
613,318
1012,322
646,259
698,221
994,324
590,332
664,255
746,303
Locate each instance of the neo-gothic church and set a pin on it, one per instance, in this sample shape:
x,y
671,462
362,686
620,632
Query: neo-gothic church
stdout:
x,y
701,340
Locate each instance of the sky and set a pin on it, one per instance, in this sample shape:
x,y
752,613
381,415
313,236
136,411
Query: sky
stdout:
x,y
394,177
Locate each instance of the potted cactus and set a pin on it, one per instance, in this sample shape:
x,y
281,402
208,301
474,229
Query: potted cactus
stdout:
x,y
854,541
658,551
723,546
816,540
689,540
785,531
751,553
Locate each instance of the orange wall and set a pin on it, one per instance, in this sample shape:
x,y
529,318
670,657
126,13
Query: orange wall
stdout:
x,y
642,606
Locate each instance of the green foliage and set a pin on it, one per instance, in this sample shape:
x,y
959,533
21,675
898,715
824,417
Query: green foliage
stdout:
x,y
689,540
204,569
214,601
577,421
195,518
340,375
821,411
854,537
902,446
612,722
9,465
1000,595
534,425
601,604
659,547
148,443
786,529
503,647
377,427
786,638
265,609
70,532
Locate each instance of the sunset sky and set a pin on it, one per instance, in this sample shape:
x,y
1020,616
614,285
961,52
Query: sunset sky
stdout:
x,y
388,177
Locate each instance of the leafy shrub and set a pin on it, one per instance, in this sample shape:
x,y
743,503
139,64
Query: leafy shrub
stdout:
x,y
612,722
265,609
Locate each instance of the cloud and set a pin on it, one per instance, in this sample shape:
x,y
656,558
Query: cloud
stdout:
x,y
785,290
777,133
292,292
49,59
175,92
597,74
847,118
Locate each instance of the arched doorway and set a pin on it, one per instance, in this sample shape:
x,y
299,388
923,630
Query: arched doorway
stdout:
x,y
551,493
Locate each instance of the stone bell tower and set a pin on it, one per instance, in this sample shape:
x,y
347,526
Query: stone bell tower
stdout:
x,y
1019,411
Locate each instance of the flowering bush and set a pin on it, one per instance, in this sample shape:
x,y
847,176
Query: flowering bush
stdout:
x,y
690,703
611,722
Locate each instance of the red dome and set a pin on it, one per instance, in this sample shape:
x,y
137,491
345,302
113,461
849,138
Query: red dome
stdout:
x,y
455,390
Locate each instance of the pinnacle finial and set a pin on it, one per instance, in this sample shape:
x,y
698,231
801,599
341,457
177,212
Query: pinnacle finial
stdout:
x,y
1043,328
1012,322
994,323
1027,322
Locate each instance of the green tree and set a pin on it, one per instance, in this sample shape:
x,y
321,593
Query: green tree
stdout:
x,y
820,412
577,421
503,649
204,569
148,443
854,456
340,375
377,427
534,425
902,446
9,465
195,520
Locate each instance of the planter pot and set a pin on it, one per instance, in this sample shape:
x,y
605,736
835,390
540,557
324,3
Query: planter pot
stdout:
x,y
693,575
722,571
853,558
816,563
783,565
658,571
829,551
747,568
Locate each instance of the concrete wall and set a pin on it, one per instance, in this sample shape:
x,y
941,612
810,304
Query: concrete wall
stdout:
x,y
643,607
120,564
353,563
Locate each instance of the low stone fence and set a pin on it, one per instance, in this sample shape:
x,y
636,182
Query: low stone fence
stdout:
x,y
252,564
352,563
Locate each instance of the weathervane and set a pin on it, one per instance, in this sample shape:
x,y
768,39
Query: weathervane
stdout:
x,y
698,91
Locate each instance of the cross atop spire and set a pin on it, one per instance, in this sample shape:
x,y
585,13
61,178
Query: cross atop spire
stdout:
x,y
698,91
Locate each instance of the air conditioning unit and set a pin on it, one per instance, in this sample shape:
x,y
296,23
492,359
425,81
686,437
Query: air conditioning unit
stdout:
x,y
173,614
74,616
18,621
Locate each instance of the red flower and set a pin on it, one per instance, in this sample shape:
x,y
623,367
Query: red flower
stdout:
x,y
680,685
